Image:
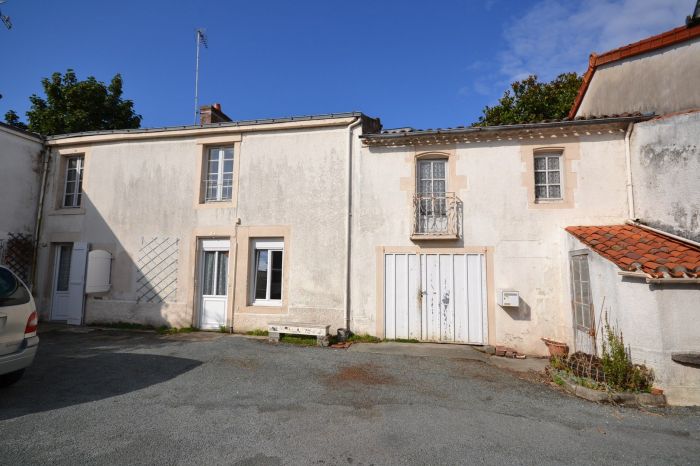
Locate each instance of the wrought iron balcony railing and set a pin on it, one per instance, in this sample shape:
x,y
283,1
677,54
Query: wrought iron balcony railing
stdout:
x,y
436,215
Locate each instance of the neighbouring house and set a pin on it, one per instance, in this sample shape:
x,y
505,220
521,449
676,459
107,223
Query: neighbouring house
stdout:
x,y
645,274
20,179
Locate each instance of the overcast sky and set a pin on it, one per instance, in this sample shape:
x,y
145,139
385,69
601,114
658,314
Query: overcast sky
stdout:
x,y
424,64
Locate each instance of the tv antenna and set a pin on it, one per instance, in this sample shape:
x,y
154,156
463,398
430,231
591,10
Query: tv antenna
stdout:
x,y
201,38
5,19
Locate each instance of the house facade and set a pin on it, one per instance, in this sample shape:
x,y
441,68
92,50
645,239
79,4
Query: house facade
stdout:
x,y
21,153
229,225
647,270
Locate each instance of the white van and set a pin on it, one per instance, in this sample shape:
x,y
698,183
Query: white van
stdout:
x,y
18,324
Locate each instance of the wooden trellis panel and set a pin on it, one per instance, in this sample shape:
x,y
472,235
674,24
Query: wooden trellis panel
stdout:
x,y
17,252
157,264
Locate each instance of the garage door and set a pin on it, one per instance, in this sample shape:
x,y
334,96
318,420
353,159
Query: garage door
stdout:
x,y
435,297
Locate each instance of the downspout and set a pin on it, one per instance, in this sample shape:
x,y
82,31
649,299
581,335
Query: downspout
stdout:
x,y
40,210
628,163
348,224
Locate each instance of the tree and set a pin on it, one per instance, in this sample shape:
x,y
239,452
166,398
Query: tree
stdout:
x,y
529,101
12,119
73,106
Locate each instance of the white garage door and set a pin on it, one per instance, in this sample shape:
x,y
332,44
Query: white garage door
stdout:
x,y
435,297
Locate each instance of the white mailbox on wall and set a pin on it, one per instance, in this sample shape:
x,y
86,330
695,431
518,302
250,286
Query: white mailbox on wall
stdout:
x,y
99,272
508,298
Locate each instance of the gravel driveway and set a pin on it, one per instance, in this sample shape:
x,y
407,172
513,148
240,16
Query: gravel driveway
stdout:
x,y
109,397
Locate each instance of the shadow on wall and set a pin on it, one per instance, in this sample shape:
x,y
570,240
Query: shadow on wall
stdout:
x,y
144,270
522,312
72,369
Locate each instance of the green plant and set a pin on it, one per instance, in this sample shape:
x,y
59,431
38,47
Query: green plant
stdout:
x,y
301,340
620,372
165,330
257,333
363,338
123,325
405,340
558,363
223,329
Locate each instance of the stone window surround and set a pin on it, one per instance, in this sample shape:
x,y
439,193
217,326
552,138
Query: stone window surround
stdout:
x,y
569,152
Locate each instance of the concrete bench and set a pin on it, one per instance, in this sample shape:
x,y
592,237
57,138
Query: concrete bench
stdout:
x,y
318,331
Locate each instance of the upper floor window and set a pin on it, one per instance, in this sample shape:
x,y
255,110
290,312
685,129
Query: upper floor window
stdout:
x,y
431,176
73,187
219,175
548,177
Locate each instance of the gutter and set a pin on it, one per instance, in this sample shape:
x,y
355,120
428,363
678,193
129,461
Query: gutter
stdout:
x,y
348,224
656,281
40,210
502,128
628,166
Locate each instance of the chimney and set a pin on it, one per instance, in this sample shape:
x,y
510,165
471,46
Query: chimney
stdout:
x,y
209,114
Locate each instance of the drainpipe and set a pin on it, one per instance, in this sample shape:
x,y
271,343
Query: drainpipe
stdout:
x,y
348,224
40,210
628,163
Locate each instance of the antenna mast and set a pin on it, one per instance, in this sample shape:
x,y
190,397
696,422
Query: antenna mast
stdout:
x,y
201,39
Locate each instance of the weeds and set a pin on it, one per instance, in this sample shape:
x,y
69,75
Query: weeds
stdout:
x,y
165,330
123,325
620,372
257,333
301,340
363,338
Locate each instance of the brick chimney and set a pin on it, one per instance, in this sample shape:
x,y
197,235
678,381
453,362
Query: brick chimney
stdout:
x,y
212,114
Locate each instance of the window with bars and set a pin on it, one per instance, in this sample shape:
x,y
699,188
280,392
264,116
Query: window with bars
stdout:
x,y
548,177
218,184
267,272
581,292
73,186
431,186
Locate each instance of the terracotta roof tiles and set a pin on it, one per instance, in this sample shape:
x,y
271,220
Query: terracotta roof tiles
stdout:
x,y
635,249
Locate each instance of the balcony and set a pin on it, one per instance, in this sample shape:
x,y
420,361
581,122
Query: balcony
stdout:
x,y
436,216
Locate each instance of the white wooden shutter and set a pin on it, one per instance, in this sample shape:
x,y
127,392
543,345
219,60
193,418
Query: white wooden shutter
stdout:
x,y
76,283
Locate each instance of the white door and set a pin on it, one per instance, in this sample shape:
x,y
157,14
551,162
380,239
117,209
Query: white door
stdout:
x,y
435,297
213,284
69,282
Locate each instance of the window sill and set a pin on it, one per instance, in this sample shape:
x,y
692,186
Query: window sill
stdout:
x,y
430,237
228,204
68,211
270,303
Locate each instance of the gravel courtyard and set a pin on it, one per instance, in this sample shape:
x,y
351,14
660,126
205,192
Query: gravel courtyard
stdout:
x,y
111,397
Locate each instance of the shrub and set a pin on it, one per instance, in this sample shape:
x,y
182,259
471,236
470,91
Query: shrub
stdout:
x,y
620,372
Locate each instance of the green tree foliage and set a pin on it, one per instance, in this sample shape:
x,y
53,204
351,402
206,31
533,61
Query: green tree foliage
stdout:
x,y
11,118
73,106
529,101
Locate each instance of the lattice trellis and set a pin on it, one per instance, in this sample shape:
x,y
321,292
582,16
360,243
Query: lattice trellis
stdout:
x,y
16,254
157,263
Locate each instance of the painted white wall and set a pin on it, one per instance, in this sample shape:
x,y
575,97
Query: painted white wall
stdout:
x,y
665,172
655,320
138,189
529,245
20,176
661,81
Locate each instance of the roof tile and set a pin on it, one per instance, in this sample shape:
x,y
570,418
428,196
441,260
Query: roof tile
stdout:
x,y
633,248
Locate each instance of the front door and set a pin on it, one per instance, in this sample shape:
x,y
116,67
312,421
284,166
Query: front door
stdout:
x,y
69,282
581,304
213,284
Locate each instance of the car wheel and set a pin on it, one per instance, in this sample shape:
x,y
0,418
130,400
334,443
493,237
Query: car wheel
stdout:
x,y
8,379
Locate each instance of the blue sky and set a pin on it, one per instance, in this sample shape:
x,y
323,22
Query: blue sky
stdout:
x,y
423,64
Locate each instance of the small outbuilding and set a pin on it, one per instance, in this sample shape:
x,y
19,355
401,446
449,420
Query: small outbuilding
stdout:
x,y
648,283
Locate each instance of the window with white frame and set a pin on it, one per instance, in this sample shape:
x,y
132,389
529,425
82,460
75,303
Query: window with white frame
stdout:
x,y
548,176
73,185
268,258
218,183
